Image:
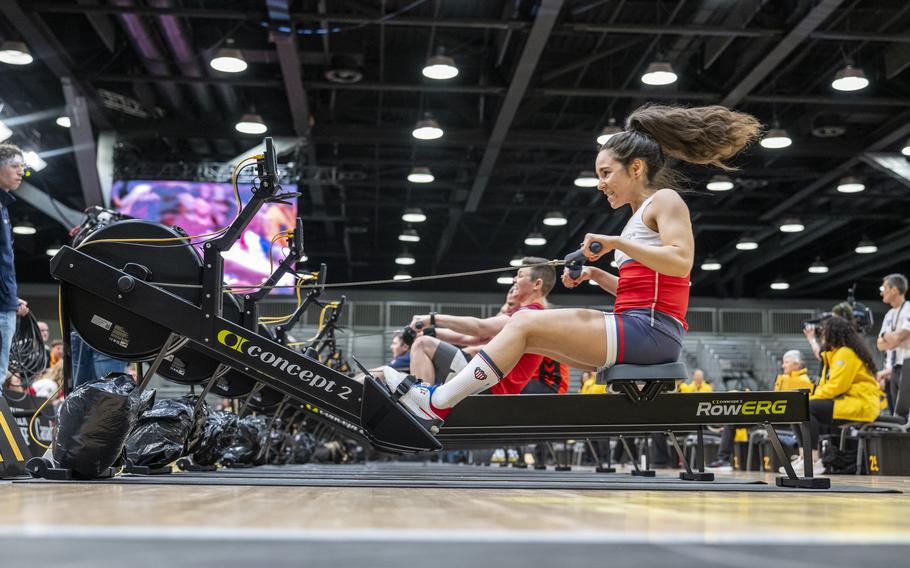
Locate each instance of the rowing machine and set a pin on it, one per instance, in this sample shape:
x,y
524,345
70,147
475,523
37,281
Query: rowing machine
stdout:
x,y
123,301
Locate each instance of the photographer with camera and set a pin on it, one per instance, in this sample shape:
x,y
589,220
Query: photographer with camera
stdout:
x,y
894,337
847,390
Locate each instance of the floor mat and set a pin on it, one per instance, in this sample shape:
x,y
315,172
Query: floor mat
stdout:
x,y
416,475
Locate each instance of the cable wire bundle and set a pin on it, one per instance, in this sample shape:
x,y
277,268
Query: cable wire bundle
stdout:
x,y
27,355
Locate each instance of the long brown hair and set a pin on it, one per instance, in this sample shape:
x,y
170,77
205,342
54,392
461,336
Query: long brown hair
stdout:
x,y
838,332
708,135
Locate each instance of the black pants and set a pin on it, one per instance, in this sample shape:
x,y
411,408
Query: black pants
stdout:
x,y
821,421
725,451
894,385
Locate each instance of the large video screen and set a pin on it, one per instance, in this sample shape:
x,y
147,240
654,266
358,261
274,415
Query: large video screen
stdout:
x,y
200,208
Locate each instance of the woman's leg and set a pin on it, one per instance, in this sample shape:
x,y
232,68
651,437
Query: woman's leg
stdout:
x,y
576,335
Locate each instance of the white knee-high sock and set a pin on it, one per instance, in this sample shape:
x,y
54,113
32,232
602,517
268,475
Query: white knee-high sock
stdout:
x,y
480,374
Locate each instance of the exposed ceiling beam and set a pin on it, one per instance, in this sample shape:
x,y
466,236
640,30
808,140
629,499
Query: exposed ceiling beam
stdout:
x,y
289,61
479,24
52,53
783,247
521,79
547,13
43,202
585,61
738,17
817,14
83,144
851,265
594,93
102,25
891,133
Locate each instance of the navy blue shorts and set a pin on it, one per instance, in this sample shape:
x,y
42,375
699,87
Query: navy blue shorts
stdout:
x,y
639,338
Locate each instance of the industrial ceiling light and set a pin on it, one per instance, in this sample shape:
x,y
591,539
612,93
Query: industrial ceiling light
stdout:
x,y
710,264
15,53
505,279
440,67
402,275
535,240
792,225
409,236
775,139
64,121
555,219
850,78
24,227
613,264
405,258
586,179
905,150
52,250
427,129
865,246
344,69
608,132
659,73
850,184
420,175
818,267
593,283
413,216
33,161
747,243
228,60
780,284
516,260
720,183
251,124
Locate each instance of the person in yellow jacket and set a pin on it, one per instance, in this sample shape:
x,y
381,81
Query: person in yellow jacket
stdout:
x,y
698,384
795,376
847,390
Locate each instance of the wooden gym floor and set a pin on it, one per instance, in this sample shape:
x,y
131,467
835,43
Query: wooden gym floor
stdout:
x,y
76,524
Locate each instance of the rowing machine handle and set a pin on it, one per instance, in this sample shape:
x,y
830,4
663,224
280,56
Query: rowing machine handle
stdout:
x,y
575,261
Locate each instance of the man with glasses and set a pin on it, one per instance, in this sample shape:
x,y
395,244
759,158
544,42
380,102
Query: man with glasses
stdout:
x,y
12,170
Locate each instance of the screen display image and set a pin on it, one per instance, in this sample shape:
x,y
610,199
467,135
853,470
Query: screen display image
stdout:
x,y
201,208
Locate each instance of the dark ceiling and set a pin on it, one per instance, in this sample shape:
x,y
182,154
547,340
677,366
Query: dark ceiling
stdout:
x,y
538,80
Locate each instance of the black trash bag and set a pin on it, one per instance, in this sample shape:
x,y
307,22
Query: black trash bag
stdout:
x,y
249,443
162,433
95,421
304,444
280,445
199,420
839,461
262,425
216,438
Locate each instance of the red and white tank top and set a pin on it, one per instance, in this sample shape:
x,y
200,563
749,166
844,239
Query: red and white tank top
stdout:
x,y
642,287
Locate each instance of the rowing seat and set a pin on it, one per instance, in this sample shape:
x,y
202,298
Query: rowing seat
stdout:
x,y
642,383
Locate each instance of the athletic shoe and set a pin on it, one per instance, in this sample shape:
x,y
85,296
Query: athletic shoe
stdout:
x,y
417,399
797,463
499,456
719,465
392,377
818,467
